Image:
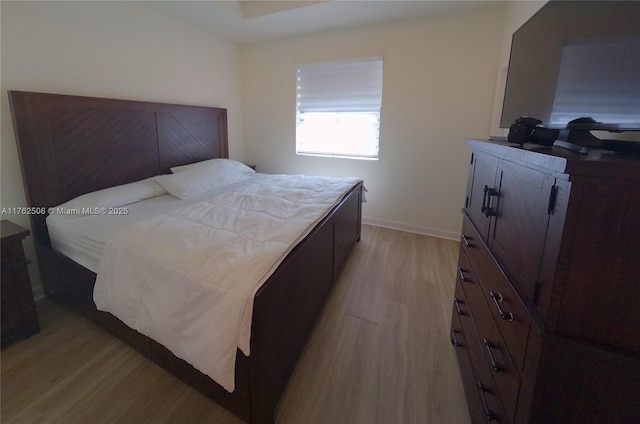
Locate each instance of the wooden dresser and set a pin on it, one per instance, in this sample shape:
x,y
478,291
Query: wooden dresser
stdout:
x,y
546,314
19,317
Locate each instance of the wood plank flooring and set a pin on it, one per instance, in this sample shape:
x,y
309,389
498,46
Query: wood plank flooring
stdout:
x,y
380,353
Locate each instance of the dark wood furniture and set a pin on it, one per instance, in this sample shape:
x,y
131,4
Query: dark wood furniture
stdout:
x,y
546,317
19,316
72,145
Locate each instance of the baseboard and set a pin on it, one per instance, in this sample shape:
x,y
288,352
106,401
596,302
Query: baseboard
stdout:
x,y
434,232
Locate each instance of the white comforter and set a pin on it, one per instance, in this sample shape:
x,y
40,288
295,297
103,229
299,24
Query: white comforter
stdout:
x,y
187,278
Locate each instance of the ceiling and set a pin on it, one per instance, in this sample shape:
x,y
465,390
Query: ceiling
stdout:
x,y
244,21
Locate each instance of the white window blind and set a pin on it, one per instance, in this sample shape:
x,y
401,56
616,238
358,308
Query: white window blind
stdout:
x,y
338,108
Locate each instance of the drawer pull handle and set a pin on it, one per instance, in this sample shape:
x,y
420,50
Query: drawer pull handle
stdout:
x,y
494,364
488,413
454,338
456,304
466,242
497,299
461,276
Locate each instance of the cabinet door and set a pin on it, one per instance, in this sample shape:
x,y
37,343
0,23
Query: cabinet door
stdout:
x,y
481,184
522,215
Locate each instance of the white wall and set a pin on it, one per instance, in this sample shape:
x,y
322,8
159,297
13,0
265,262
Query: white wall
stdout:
x,y
439,84
439,87
109,49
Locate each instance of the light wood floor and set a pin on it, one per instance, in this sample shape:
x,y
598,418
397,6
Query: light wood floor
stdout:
x,y
380,353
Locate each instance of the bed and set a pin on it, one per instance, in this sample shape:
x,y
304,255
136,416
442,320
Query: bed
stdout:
x,y
70,146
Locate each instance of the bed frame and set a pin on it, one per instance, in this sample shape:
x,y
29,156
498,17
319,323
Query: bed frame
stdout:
x,y
72,145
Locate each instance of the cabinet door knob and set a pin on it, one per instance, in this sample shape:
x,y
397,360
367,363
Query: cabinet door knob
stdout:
x,y
466,241
486,201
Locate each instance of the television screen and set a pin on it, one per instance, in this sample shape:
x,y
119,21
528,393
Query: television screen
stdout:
x,y
577,59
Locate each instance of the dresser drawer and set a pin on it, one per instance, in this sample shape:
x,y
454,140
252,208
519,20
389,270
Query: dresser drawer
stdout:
x,y
484,388
506,307
493,347
459,341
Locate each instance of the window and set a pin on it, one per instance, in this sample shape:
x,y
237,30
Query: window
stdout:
x,y
338,108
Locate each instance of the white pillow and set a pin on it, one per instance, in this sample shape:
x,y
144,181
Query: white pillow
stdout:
x,y
227,164
114,196
199,179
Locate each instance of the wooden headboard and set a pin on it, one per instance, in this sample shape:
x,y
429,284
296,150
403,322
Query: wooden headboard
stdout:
x,y
71,145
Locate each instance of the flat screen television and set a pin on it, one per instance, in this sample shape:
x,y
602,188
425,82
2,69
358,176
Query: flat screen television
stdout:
x,y
577,59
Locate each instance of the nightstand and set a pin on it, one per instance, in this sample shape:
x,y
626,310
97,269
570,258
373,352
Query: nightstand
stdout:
x,y
19,317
